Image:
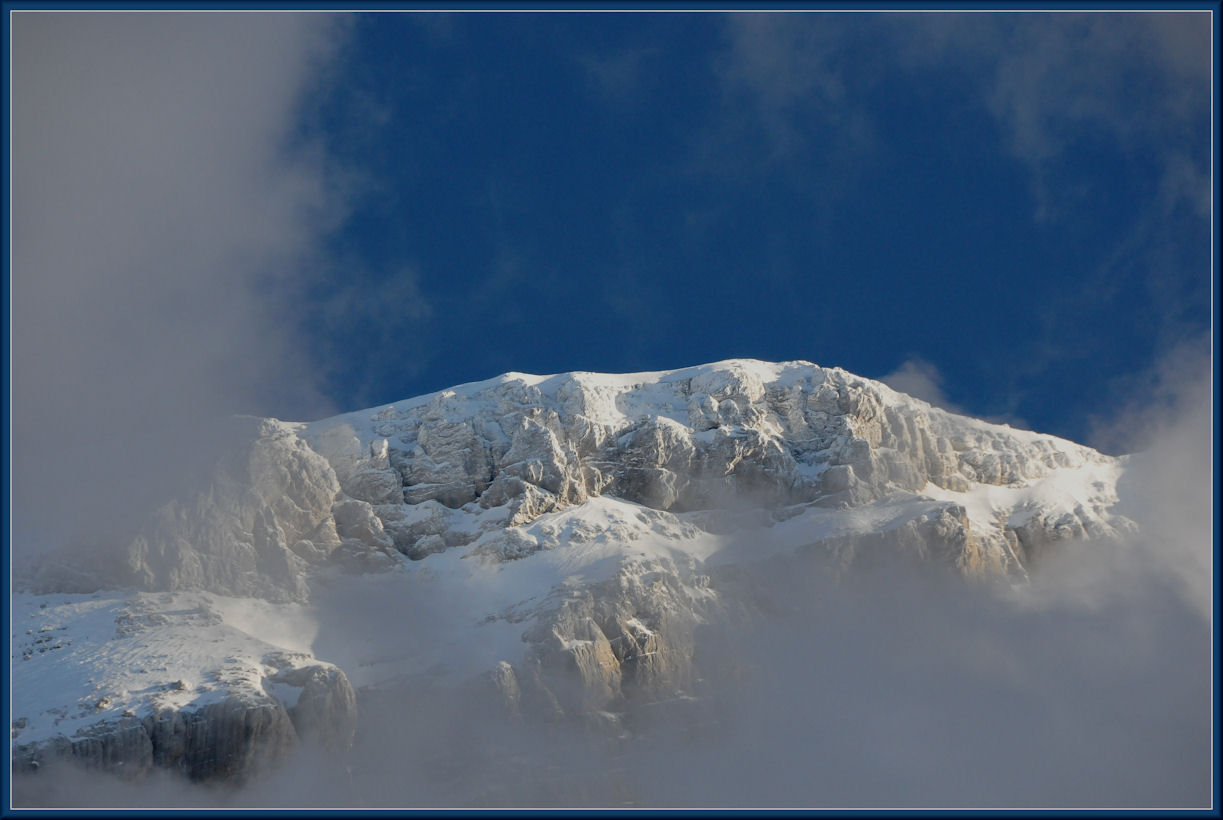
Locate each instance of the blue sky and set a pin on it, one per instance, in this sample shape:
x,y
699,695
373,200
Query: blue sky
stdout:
x,y
303,214
1019,202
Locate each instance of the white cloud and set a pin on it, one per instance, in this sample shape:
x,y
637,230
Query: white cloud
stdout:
x,y
1169,483
921,380
158,205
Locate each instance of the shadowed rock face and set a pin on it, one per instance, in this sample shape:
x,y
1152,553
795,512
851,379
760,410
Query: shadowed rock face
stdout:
x,y
612,644
138,682
233,739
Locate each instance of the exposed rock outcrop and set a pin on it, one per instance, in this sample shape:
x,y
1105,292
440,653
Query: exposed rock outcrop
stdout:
x,y
735,435
165,682
426,475
233,739
265,516
647,477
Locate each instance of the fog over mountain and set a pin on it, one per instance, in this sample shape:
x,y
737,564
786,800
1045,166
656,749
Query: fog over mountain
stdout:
x,y
740,584
745,583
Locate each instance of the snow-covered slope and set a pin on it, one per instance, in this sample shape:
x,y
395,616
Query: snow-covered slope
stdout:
x,y
553,539
184,680
470,465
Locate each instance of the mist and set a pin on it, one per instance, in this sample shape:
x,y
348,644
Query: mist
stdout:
x,y
900,686
163,220
163,217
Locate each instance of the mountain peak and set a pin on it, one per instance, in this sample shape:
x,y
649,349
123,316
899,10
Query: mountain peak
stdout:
x,y
582,521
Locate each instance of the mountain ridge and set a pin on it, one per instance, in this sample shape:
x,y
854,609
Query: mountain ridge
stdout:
x,y
564,537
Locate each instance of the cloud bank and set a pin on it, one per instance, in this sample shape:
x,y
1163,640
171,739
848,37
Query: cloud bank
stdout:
x,y
162,214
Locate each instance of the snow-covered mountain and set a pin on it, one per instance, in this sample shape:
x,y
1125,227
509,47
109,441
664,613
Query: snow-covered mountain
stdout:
x,y
546,544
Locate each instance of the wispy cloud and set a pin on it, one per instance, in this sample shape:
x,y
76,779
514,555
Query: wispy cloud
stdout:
x,y
1137,82
797,78
161,213
921,380
387,313
1134,85
619,74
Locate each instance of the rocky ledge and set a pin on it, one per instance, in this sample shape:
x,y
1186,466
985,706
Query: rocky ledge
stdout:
x,y
129,683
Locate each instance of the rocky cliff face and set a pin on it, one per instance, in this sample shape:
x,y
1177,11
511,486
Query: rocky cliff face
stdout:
x,y
430,474
606,508
265,517
129,684
733,436
759,456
